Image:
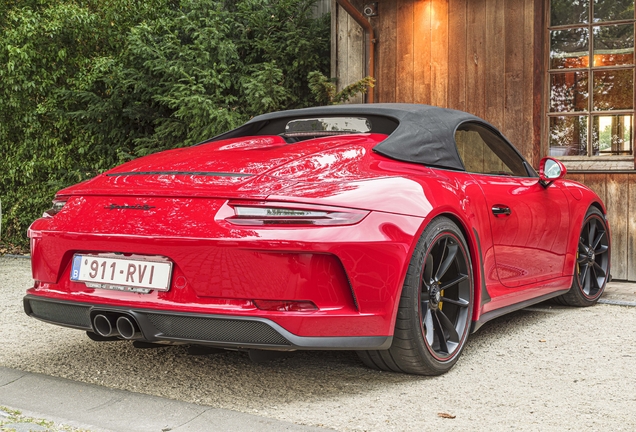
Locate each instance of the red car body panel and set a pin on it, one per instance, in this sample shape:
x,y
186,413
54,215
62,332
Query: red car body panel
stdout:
x,y
173,205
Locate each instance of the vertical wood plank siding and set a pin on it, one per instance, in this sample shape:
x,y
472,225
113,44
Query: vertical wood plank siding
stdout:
x,y
537,8
475,57
439,54
386,52
513,77
631,227
457,42
405,63
423,44
495,43
472,55
350,52
618,192
335,34
322,7
485,57
616,202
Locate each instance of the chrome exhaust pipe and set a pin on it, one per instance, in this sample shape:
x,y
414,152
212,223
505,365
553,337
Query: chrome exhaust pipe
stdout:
x,y
128,328
103,326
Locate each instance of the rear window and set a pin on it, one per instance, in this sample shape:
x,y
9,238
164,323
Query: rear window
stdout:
x,y
325,126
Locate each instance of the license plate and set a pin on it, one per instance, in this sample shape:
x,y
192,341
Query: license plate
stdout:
x,y
149,273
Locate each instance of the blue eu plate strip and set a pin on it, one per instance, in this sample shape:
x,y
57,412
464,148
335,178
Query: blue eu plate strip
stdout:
x,y
75,270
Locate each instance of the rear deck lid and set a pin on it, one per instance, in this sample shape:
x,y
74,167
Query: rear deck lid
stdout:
x,y
249,167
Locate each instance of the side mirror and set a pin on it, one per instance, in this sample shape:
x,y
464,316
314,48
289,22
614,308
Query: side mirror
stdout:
x,y
550,170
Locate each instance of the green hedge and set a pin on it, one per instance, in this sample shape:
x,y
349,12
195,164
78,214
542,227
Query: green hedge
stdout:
x,y
86,85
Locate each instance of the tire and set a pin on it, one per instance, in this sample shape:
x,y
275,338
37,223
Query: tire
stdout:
x,y
435,309
592,268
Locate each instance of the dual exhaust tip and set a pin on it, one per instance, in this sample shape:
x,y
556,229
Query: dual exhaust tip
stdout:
x,y
113,325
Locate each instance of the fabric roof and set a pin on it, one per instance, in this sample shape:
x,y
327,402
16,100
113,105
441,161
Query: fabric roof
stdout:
x,y
425,134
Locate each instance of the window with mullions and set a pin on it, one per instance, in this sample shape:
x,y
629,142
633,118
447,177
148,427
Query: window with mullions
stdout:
x,y
591,78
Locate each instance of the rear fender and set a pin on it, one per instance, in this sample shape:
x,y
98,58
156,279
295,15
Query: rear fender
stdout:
x,y
475,241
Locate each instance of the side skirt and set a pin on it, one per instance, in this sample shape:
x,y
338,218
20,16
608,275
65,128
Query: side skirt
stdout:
x,y
483,319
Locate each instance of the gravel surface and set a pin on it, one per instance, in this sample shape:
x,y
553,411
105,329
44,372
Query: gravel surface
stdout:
x,y
545,367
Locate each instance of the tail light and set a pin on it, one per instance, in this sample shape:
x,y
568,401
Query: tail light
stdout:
x,y
270,213
58,204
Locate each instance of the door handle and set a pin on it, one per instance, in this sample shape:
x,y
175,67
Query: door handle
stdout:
x,y
500,210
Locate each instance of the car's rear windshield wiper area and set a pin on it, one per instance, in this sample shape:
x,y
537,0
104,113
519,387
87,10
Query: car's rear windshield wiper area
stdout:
x,y
307,128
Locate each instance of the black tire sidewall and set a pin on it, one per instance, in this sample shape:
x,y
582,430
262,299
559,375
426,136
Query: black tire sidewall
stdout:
x,y
576,288
437,228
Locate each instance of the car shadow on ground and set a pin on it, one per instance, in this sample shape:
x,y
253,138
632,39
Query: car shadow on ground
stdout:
x,y
229,378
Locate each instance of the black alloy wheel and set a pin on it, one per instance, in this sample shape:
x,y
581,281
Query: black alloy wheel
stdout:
x,y
593,257
445,296
436,304
592,268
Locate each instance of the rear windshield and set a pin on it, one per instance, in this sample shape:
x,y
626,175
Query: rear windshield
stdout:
x,y
325,126
299,128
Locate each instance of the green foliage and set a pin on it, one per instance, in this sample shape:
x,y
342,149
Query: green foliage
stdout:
x,y
324,90
88,84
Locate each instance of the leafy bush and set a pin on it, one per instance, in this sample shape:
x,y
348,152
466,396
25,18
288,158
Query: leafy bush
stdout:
x,y
85,85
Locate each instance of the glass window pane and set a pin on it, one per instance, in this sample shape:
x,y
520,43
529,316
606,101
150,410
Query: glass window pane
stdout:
x,y
612,134
484,152
613,10
569,92
568,136
569,48
613,89
564,12
614,45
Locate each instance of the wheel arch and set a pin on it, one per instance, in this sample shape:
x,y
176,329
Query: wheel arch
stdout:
x,y
480,294
577,295
582,209
599,206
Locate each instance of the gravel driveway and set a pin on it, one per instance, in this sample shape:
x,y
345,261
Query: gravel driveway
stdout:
x,y
545,367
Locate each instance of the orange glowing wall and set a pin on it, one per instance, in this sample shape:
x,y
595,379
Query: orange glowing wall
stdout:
x,y
472,55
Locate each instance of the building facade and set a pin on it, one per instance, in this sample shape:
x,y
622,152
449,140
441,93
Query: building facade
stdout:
x,y
555,76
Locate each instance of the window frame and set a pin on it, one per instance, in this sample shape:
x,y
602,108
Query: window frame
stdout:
x,y
587,162
530,171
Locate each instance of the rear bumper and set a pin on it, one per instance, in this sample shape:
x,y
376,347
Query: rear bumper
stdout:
x,y
238,332
353,274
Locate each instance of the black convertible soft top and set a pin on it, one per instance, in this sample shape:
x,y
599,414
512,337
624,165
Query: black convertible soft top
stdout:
x,y
424,134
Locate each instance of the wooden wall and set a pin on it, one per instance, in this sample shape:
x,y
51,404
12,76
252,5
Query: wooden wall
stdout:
x,y
322,7
348,58
471,55
618,192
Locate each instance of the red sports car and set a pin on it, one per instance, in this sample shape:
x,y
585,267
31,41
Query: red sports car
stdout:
x,y
394,230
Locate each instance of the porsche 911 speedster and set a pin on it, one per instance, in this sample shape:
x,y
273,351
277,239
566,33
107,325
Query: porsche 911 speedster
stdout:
x,y
393,230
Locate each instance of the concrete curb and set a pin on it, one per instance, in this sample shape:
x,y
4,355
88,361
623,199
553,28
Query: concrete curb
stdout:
x,y
617,302
102,409
16,256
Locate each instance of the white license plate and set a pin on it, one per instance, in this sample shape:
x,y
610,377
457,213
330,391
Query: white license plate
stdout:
x,y
152,273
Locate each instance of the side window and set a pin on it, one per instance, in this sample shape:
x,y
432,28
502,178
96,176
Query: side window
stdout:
x,y
483,152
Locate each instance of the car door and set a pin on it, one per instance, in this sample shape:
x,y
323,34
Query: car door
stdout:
x,y
529,222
